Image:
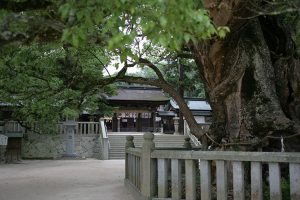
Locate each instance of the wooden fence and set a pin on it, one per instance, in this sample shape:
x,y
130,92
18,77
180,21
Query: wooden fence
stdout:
x,y
190,174
11,127
83,128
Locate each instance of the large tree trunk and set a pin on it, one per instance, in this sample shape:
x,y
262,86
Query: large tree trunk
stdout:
x,y
252,81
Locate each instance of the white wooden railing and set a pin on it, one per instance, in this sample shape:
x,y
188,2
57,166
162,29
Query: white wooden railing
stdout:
x,y
163,173
83,128
11,127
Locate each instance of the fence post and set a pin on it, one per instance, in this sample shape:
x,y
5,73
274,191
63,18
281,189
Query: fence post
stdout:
x,y
148,174
129,144
105,141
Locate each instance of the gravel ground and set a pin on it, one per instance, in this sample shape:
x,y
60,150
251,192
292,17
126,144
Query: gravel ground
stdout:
x,y
63,180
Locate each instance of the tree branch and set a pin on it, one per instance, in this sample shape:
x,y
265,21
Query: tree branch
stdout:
x,y
194,127
153,67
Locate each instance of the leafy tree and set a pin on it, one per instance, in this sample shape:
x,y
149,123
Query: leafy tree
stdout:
x,y
191,83
45,82
251,75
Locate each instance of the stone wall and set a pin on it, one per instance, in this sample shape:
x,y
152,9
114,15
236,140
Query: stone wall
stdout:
x,y
54,146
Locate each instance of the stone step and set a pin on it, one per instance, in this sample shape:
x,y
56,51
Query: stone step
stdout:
x,y
117,142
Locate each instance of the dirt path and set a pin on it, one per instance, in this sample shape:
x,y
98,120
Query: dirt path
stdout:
x,y
63,180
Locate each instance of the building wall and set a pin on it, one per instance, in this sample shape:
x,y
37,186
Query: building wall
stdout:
x,y
54,146
200,119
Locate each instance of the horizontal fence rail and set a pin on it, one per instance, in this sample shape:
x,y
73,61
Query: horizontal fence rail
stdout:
x,y
11,127
206,175
82,128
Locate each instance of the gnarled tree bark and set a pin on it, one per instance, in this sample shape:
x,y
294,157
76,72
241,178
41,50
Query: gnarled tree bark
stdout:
x,y
251,78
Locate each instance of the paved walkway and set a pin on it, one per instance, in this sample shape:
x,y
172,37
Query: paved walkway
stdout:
x,y
64,180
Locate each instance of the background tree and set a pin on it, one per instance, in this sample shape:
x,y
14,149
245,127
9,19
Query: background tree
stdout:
x,y
46,82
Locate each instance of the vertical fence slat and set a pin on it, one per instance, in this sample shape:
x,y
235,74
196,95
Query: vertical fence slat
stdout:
x,y
126,165
274,179
294,181
256,181
133,170
176,179
162,170
139,173
238,181
130,167
205,179
190,180
81,129
221,167
136,172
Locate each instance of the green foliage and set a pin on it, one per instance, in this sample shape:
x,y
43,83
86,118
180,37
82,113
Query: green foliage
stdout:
x,y
192,84
59,72
167,23
46,82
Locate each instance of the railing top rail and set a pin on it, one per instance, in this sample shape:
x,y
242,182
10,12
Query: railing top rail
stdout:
x,y
134,151
88,122
229,155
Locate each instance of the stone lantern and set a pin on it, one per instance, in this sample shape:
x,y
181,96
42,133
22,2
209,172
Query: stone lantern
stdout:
x,y
176,125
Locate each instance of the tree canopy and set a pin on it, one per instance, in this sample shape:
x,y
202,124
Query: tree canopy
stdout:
x,y
244,52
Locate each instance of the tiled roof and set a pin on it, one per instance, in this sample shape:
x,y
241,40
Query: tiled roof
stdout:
x,y
193,104
139,94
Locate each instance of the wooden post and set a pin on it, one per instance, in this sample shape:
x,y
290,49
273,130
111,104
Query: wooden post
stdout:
x,y
119,124
274,179
221,180
139,123
129,144
190,180
238,180
115,123
162,178
148,175
205,179
256,181
295,181
176,179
